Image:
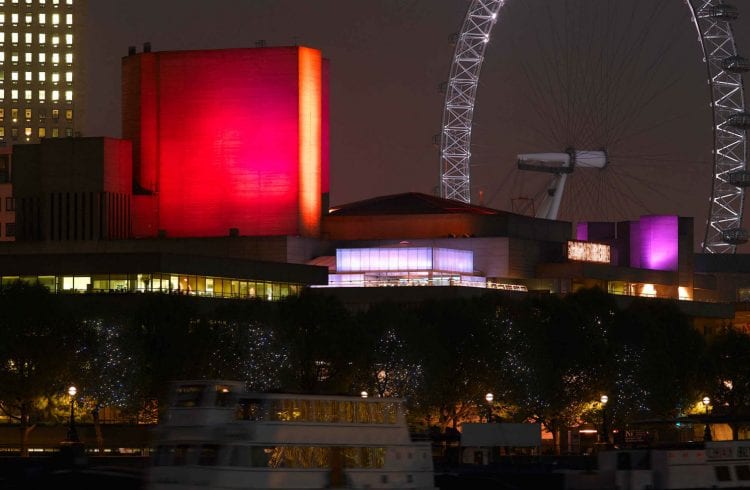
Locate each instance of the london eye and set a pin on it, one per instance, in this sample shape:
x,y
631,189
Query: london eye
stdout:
x,y
595,110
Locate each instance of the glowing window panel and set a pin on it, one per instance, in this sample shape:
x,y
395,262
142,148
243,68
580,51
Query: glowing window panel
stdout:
x,y
42,95
2,93
68,95
42,18
27,94
42,38
68,39
654,242
55,95
55,77
42,76
55,57
55,40
28,57
14,94
14,18
28,38
55,19
69,19
403,259
28,76
69,57
14,76
14,37
2,56
28,18
589,252
2,18
69,76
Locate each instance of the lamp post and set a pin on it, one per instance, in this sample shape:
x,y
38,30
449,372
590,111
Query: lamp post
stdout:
x,y
707,431
72,433
605,430
363,394
489,397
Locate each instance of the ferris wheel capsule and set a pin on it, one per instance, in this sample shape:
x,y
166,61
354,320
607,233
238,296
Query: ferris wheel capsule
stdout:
x,y
739,120
735,64
723,11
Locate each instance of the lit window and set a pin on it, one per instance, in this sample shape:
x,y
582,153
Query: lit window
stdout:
x,y
28,38
55,77
2,37
2,114
2,93
55,114
68,39
55,95
42,38
68,132
2,75
69,76
14,76
27,132
68,95
27,114
55,19
69,114
42,76
14,57
27,94
27,57
28,76
2,56
55,57
14,94
2,18
42,57
55,40
69,19
14,37
42,95
2,132
14,18
29,18
14,115
69,57
55,2
42,18
42,132
55,132
69,2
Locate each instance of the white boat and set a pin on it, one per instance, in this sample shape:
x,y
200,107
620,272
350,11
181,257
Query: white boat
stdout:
x,y
717,464
219,436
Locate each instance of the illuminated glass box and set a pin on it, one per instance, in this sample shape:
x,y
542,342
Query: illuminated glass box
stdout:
x,y
228,139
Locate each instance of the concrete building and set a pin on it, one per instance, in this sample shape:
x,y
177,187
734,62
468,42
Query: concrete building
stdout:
x,y
40,69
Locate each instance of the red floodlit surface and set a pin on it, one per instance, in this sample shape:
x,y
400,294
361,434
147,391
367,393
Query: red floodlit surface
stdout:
x,y
221,141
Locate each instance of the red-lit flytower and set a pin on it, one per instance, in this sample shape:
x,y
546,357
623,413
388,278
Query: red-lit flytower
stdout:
x,y
227,139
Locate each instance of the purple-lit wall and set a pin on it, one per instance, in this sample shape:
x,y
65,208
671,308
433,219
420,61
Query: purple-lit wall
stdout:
x,y
582,231
654,243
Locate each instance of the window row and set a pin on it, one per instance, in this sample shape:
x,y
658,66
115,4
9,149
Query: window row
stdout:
x,y
40,2
41,132
163,283
28,57
28,95
320,411
28,76
28,114
42,38
41,57
270,456
42,18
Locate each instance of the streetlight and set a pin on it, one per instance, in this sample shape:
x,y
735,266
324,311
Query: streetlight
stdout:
x,y
489,397
363,394
72,434
707,430
605,430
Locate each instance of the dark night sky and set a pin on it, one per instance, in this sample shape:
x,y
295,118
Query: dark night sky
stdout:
x,y
387,59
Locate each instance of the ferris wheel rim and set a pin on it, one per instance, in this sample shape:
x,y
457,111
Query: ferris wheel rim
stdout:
x,y
729,145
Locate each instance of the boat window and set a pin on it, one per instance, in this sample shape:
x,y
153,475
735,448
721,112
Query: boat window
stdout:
x,y
163,455
181,455
189,396
722,473
223,396
346,413
260,456
742,471
363,413
208,455
252,409
240,456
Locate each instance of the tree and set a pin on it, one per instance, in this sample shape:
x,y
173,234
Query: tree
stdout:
x,y
729,386
38,350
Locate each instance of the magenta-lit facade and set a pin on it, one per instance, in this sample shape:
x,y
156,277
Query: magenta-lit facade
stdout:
x,y
655,245
227,139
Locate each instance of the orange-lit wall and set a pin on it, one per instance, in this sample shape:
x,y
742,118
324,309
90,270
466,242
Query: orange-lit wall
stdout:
x,y
227,139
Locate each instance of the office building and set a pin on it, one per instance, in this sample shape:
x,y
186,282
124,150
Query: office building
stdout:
x,y
40,69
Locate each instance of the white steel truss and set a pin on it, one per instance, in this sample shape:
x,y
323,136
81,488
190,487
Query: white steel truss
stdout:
x,y
723,227
712,19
